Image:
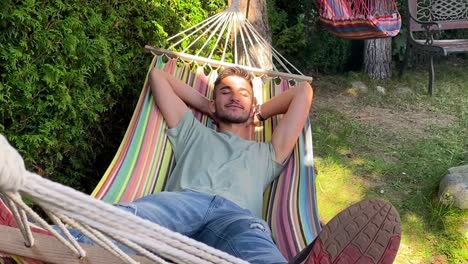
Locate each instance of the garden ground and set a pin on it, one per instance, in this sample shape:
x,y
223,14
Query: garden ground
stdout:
x,y
396,144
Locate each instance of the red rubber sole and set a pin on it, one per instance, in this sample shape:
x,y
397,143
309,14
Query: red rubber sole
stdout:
x,y
366,232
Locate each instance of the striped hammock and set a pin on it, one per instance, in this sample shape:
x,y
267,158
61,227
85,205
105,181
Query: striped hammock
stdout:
x,y
144,162
360,19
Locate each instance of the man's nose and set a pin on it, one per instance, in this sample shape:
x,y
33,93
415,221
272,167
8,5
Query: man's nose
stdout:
x,y
235,97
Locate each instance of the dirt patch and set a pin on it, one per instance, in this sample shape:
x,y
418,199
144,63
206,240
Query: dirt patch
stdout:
x,y
413,122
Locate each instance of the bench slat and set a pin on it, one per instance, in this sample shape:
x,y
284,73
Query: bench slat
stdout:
x,y
450,45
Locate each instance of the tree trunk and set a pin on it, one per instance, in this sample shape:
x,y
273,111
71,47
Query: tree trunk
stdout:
x,y
256,13
378,58
378,52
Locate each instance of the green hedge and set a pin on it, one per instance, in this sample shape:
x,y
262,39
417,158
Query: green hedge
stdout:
x,y
299,36
70,74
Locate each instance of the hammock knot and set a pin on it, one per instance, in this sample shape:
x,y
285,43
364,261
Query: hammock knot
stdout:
x,y
235,4
12,169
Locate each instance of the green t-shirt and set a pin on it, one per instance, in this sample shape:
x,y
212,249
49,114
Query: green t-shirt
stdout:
x,y
221,163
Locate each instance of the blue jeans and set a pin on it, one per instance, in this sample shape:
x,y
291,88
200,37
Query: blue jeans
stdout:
x,y
210,219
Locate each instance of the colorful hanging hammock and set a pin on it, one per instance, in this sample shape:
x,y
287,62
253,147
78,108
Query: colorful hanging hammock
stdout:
x,y
360,19
144,159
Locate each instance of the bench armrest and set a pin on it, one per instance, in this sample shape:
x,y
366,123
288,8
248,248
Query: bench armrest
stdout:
x,y
431,29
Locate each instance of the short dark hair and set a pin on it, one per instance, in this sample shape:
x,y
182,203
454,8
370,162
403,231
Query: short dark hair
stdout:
x,y
234,71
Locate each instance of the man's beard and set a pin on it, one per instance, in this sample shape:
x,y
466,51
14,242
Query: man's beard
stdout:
x,y
229,117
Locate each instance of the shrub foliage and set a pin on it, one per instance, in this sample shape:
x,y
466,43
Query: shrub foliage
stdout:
x,y
67,70
299,36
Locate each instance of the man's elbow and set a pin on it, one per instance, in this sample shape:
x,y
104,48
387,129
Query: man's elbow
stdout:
x,y
306,91
156,73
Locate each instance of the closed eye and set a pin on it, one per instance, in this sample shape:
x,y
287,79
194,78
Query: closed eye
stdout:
x,y
225,90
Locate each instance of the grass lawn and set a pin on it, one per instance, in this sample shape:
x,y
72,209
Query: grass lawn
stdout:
x,y
397,146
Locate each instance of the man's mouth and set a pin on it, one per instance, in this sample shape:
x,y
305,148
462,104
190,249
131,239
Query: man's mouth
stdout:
x,y
234,106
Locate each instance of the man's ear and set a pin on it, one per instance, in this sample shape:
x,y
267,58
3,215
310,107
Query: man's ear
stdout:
x,y
211,106
212,113
254,104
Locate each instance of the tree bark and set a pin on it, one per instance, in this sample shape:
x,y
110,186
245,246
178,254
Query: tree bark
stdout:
x,y
378,58
378,52
256,13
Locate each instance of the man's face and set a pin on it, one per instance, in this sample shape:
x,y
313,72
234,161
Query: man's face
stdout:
x,y
234,100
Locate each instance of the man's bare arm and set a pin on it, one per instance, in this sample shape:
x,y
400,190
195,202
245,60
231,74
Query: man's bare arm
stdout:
x,y
172,97
295,105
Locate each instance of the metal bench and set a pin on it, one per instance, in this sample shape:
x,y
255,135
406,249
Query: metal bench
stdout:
x,y
426,20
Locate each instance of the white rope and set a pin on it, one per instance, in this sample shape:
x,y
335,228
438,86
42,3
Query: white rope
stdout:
x,y
236,57
56,220
196,28
235,4
226,42
277,56
104,217
238,32
102,241
23,225
11,165
241,22
14,197
218,26
263,46
92,214
140,250
220,36
203,33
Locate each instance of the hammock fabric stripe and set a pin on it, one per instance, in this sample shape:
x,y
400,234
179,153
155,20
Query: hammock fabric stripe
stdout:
x,y
144,161
358,22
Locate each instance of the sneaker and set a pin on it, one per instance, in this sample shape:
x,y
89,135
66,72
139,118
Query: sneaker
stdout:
x,y
366,232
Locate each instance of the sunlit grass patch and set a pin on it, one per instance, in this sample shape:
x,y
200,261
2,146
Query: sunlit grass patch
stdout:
x,y
415,238
335,188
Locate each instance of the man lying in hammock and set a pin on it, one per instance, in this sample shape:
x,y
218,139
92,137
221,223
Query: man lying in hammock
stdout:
x,y
215,192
